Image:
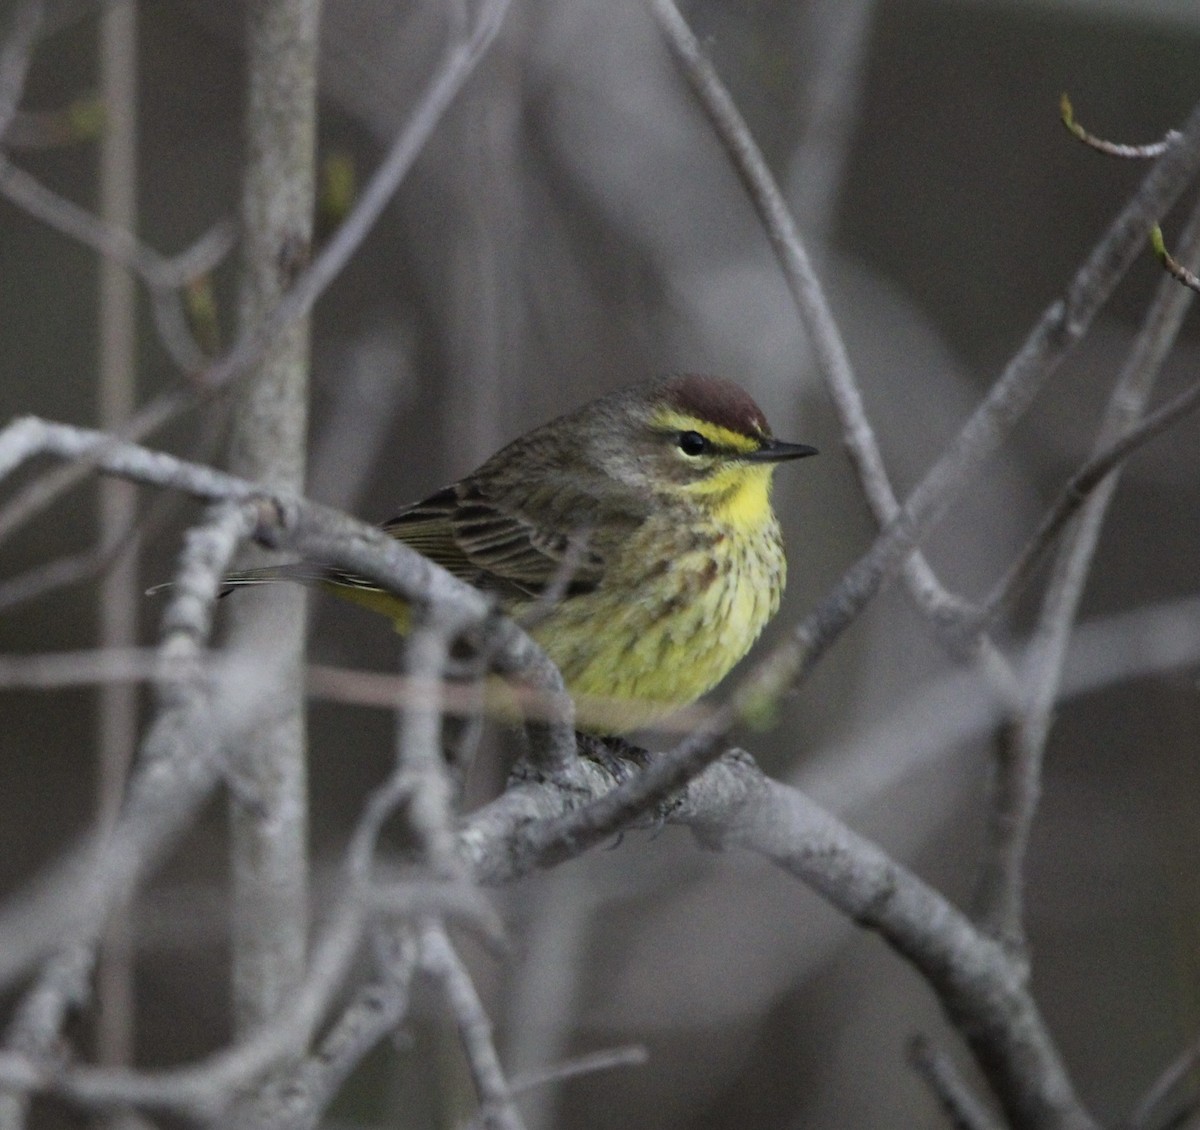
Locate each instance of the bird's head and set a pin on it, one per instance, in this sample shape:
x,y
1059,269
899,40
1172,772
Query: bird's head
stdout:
x,y
693,437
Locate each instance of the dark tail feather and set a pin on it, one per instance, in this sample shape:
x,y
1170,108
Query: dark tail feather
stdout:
x,y
299,572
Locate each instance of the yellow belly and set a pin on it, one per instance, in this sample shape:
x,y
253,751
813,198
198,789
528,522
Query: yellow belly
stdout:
x,y
630,660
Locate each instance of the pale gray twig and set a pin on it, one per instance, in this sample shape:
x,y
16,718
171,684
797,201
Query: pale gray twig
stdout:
x,y
419,746
1095,475
205,1090
114,242
632,1055
460,61
63,984
162,277
837,43
829,349
1060,327
958,1102
1017,786
119,601
1172,1075
955,711
67,570
15,56
439,959
178,767
298,1099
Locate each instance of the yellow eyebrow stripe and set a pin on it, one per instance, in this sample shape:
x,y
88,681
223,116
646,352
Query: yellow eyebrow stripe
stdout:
x,y
715,434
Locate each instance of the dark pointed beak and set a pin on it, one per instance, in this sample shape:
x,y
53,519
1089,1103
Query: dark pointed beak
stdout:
x,y
776,451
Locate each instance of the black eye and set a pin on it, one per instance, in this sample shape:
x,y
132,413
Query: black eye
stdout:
x,y
692,443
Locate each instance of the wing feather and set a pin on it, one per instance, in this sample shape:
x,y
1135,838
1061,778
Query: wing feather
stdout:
x,y
496,548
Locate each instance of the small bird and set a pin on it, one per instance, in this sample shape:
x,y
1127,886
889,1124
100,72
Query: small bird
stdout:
x,y
635,537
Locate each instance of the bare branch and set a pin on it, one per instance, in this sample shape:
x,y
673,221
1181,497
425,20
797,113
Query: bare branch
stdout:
x,y
28,437
15,56
177,769
63,984
323,535
419,748
64,571
268,444
51,671
1112,148
1080,489
1173,266
833,361
1019,766
112,241
162,277
1060,327
460,61
300,1097
955,710
960,1104
1172,1075
119,599
734,804
204,1091
439,958
633,1055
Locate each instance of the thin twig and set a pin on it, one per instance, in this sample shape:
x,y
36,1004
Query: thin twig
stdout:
x,y
323,535
65,571
439,958
113,241
63,985
298,1099
162,277
954,711
958,1102
1061,326
1017,787
1173,266
1172,1075
1078,492
1112,148
419,747
177,769
833,361
204,1091
632,1055
15,57
457,66
46,671
118,598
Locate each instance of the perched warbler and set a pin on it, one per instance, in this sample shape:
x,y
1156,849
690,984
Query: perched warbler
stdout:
x,y
635,535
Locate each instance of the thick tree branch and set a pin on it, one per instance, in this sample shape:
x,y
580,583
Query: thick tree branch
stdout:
x,y
733,804
269,442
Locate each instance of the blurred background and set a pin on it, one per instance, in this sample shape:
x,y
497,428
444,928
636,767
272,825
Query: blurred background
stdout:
x,y
571,227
